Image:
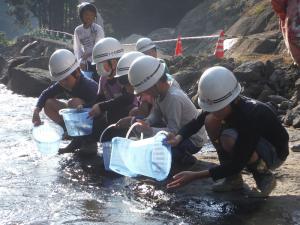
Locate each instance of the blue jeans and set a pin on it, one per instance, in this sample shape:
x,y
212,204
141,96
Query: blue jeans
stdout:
x,y
265,150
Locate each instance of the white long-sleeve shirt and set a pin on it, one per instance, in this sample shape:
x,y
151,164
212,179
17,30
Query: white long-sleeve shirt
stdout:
x,y
175,110
85,39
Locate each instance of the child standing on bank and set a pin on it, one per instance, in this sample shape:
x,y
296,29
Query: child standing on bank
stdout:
x,y
86,36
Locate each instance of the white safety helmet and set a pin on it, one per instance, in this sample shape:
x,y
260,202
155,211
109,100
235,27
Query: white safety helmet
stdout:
x,y
144,72
217,88
106,49
62,63
144,44
125,62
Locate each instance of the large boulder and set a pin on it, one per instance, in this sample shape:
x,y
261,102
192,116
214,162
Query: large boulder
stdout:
x,y
252,71
258,19
40,63
186,78
9,65
262,43
28,81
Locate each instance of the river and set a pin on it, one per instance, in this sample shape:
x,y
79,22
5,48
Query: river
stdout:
x,y
35,189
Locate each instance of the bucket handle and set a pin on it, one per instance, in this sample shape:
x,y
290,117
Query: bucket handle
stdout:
x,y
131,128
106,129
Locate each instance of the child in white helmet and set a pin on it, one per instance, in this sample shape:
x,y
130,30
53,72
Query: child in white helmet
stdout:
x,y
86,36
64,69
148,47
172,108
246,134
114,100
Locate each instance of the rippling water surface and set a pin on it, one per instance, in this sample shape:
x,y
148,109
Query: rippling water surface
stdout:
x,y
60,189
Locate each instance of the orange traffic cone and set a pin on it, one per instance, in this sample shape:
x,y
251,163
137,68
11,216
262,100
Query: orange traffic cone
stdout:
x,y
178,49
219,50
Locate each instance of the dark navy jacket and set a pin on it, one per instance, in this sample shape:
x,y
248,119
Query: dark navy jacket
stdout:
x,y
86,89
252,120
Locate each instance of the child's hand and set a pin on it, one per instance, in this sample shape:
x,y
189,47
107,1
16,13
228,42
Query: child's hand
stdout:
x,y
181,179
173,139
36,120
95,112
143,127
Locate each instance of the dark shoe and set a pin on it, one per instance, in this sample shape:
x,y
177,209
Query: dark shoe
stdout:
x,y
71,148
232,183
88,148
264,179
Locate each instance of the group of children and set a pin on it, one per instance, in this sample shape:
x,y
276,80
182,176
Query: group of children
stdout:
x,y
137,86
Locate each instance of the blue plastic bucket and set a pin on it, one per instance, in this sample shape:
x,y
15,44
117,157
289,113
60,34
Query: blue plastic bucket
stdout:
x,y
47,138
77,121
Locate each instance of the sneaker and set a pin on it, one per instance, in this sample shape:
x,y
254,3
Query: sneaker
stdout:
x,y
88,148
264,179
265,183
72,147
232,183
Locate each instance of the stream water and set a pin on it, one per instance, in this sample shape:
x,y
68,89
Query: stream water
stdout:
x,y
59,189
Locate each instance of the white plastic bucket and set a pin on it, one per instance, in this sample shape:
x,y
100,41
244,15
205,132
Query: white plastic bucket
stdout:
x,y
147,157
77,121
47,138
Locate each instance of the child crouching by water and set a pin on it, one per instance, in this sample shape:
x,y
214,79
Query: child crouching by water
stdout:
x,y
246,134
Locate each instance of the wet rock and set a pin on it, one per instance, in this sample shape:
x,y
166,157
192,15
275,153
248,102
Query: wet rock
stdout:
x,y
28,49
28,81
276,75
292,117
18,61
277,99
250,71
40,63
187,77
269,68
267,91
252,90
296,96
295,148
285,105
